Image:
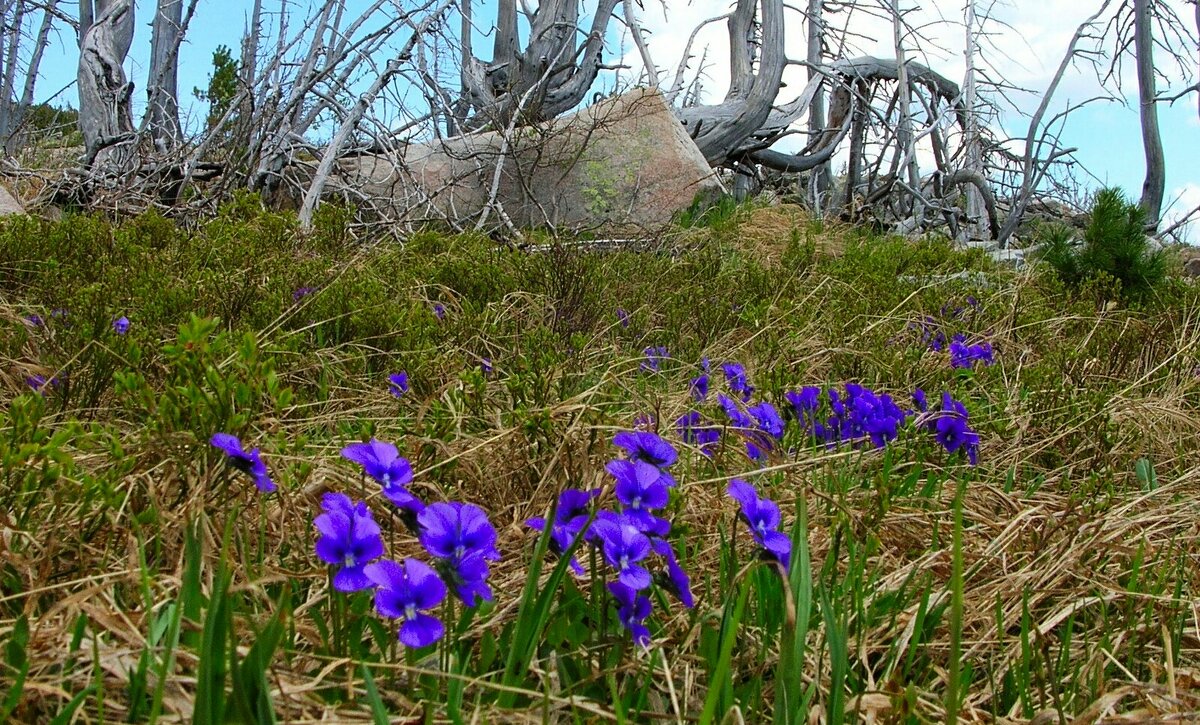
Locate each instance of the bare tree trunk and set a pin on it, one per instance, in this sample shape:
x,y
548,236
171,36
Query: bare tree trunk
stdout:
x,y
8,110
822,176
105,117
39,47
1154,185
974,154
163,78
905,143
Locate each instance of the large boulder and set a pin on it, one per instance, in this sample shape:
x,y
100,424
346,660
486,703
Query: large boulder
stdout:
x,y
624,164
9,203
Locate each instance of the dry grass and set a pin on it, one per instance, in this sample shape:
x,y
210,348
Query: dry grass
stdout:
x,y
1058,529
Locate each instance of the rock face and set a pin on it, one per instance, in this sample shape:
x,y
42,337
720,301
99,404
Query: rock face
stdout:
x,y
623,164
1191,268
9,203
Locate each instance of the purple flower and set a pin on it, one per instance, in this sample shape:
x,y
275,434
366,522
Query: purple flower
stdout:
x,y
462,538
641,488
693,432
406,592
646,446
622,317
675,580
951,430
349,539
439,310
963,355
570,518
762,516
485,364
121,325
249,462
735,375
624,546
756,453
302,292
632,610
39,383
654,358
805,402
767,418
737,418
919,400
34,320
398,383
644,421
383,462
699,387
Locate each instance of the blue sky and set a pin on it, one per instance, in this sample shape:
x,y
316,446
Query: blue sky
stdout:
x,y
1106,134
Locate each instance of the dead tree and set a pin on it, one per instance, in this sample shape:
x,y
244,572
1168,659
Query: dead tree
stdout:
x,y
554,71
1154,186
14,16
162,110
105,116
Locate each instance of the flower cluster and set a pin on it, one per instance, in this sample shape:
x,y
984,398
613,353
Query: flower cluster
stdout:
x,y
630,536
963,355
854,415
459,537
935,335
859,415
693,430
950,428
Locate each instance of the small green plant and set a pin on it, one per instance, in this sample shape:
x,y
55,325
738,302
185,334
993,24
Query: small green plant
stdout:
x,y
1114,246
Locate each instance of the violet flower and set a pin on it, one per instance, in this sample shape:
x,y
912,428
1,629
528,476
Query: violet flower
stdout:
x,y
249,462
406,592
762,517
350,540
462,538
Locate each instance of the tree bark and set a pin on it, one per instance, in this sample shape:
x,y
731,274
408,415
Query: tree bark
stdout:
x,y
822,177
105,117
1154,186
163,78
8,110
973,162
905,142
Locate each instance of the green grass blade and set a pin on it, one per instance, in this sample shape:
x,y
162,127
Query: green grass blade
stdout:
x,y
16,658
836,641
534,611
379,713
719,676
791,705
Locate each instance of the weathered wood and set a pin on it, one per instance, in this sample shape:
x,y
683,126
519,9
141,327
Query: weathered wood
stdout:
x,y
162,109
1154,185
105,118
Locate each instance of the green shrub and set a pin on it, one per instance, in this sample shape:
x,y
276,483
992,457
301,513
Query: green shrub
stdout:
x,y
1114,246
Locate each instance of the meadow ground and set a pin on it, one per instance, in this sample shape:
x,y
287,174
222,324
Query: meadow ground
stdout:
x,y
146,577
